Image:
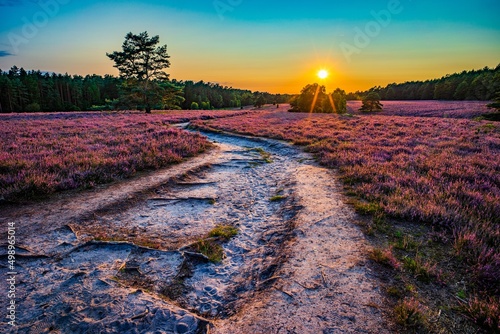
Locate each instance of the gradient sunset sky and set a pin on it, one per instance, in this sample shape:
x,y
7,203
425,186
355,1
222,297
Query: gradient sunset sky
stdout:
x,y
275,46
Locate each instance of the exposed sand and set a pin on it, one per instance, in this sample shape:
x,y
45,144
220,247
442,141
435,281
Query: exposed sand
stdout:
x,y
296,266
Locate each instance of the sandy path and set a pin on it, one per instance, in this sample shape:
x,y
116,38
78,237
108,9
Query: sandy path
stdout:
x,y
296,266
324,287
49,215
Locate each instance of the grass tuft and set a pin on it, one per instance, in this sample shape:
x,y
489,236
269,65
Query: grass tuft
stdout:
x,y
405,242
423,271
211,249
277,198
266,156
410,313
210,245
385,257
224,232
366,209
393,291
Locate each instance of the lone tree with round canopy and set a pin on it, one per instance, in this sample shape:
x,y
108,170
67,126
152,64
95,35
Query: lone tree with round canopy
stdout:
x,y
142,62
371,102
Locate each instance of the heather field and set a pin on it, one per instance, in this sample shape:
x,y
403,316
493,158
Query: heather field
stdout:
x,y
45,153
427,190
167,117
441,172
442,109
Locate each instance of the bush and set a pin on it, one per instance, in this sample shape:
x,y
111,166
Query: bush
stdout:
x,y
485,312
204,105
371,102
33,107
195,106
410,313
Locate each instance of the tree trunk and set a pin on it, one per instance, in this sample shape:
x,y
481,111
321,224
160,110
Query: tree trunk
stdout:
x,y
10,102
146,97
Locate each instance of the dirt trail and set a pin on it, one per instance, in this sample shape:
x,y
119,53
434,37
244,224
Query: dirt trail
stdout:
x,y
324,287
297,264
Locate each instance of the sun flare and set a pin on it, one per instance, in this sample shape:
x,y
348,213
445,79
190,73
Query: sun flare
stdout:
x,y
323,74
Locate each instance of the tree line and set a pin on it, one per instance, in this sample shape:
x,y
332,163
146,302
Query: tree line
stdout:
x,y
202,95
34,91
482,85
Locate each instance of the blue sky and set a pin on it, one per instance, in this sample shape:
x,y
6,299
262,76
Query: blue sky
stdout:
x,y
260,45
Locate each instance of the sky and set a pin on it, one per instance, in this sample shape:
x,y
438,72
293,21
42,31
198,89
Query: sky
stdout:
x,y
274,46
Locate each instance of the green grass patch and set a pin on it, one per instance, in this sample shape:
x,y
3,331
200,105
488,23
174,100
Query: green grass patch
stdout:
x,y
366,209
224,232
423,271
266,156
405,242
210,246
211,249
277,198
461,294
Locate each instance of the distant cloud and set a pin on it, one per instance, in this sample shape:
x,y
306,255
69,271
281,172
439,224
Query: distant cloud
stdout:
x,y
5,53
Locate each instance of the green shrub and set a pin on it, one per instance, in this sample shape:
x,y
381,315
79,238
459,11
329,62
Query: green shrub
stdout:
x,y
33,107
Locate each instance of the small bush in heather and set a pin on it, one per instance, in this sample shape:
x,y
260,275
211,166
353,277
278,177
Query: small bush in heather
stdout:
x,y
485,312
422,270
411,314
384,256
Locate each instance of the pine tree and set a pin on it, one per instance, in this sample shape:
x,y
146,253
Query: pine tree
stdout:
x,y
142,63
371,102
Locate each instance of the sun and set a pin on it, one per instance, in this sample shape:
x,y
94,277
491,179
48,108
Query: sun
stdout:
x,y
323,74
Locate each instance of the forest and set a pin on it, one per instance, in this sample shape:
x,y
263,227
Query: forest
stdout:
x,y
479,85
35,91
